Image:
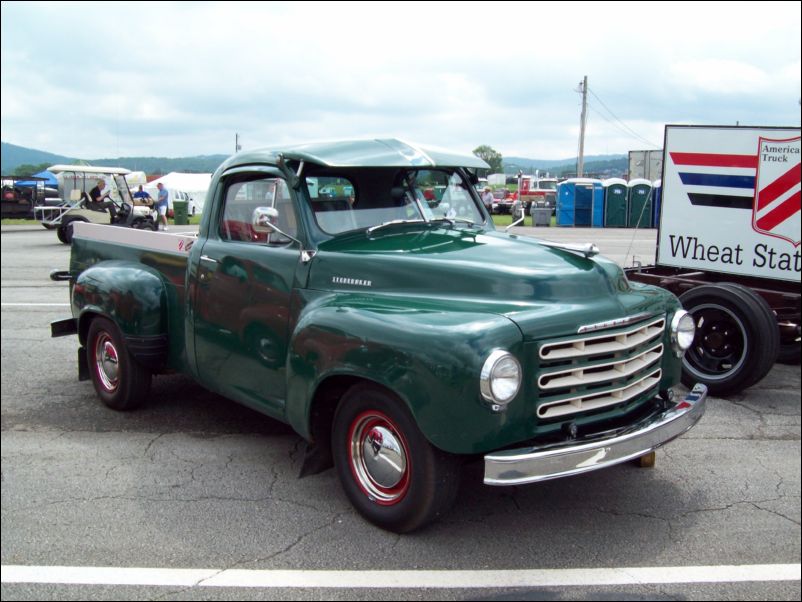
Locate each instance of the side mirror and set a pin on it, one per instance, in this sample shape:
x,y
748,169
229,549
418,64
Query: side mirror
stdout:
x,y
265,219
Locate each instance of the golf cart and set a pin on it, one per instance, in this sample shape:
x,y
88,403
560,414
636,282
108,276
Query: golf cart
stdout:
x,y
74,185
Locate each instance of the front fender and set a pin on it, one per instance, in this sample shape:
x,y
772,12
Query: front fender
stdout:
x,y
429,357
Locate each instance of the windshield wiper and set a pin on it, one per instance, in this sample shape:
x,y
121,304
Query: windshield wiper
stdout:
x,y
394,222
452,220
438,220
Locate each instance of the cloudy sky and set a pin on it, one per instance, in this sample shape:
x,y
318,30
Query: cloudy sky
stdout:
x,y
172,79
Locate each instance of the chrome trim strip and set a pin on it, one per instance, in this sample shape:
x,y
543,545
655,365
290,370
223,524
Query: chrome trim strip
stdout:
x,y
593,400
614,323
582,347
531,465
576,376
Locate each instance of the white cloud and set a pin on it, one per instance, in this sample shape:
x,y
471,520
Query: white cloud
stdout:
x,y
181,78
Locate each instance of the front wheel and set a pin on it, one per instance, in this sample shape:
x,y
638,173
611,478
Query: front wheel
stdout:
x,y
391,474
120,382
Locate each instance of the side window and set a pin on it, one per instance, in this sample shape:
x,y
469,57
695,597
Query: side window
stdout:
x,y
243,195
332,203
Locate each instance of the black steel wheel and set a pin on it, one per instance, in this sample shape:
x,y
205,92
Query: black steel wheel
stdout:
x,y
120,382
391,474
737,338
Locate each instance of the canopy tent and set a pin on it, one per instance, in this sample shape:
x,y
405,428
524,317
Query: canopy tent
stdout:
x,y
194,184
49,179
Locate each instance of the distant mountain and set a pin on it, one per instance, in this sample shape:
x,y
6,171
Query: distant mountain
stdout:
x,y
162,165
595,165
528,164
13,156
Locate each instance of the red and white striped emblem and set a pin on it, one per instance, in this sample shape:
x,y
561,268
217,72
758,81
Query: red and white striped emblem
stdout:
x,y
776,211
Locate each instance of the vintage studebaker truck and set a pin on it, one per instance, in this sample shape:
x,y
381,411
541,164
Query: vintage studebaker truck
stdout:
x,y
397,336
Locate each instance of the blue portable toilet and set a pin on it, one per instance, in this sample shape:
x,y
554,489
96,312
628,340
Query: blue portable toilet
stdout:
x,y
565,204
640,204
598,204
616,195
657,195
580,202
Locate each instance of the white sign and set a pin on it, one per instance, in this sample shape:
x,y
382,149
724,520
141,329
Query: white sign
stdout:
x,y
731,201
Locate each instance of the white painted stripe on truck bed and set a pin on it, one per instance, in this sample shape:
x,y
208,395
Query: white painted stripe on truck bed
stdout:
x,y
132,237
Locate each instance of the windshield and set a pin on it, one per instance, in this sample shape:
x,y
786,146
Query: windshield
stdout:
x,y
373,197
122,192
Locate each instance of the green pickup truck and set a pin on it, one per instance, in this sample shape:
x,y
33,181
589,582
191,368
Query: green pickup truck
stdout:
x,y
397,335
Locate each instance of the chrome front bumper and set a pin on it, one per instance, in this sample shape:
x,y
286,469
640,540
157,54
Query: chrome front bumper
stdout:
x,y
533,464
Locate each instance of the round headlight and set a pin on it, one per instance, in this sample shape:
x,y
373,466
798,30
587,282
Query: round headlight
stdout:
x,y
683,330
500,378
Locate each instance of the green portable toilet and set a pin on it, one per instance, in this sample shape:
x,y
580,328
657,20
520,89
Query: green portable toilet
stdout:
x,y
616,194
640,204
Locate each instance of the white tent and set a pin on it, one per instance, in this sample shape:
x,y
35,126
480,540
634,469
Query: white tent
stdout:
x,y
193,184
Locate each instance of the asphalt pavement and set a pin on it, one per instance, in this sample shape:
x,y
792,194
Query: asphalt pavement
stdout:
x,y
195,497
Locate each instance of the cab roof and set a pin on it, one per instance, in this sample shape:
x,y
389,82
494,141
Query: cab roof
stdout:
x,y
389,152
88,169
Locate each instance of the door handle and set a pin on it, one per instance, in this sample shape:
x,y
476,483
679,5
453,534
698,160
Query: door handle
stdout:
x,y
209,259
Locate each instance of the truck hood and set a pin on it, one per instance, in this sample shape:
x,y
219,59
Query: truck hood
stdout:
x,y
468,270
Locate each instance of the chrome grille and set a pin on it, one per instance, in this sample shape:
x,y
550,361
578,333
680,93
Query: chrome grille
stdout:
x,y
586,373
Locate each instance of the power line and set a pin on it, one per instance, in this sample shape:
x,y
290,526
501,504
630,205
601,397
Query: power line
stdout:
x,y
629,129
619,127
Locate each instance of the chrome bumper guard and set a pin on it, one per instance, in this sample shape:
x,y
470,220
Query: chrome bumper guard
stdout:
x,y
532,464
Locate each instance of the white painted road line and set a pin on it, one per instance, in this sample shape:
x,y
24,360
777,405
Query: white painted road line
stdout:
x,y
445,579
34,304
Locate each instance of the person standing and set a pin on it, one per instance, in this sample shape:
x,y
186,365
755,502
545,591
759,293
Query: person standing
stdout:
x,y
162,203
487,199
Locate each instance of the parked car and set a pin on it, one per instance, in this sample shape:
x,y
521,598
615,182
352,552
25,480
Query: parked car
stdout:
x,y
180,195
502,201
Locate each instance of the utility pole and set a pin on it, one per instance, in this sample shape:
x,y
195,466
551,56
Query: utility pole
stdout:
x,y
237,146
580,168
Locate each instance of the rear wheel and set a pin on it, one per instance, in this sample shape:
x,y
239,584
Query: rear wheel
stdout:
x,y
393,476
737,338
119,380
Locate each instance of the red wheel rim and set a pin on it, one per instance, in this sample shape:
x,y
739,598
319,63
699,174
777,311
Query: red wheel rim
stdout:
x,y
379,458
107,364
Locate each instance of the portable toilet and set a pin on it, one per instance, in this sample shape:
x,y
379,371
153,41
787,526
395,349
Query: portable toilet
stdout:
x,y
640,204
598,204
615,203
565,204
657,195
580,202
